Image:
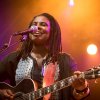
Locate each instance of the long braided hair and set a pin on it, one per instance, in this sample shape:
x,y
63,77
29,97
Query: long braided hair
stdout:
x,y
55,45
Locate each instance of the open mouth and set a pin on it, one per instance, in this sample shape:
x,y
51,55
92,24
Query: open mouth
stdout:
x,y
37,33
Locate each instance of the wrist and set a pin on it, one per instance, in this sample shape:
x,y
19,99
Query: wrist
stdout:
x,y
79,94
83,90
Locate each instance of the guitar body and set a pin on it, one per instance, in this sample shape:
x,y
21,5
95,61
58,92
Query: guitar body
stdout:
x,y
23,87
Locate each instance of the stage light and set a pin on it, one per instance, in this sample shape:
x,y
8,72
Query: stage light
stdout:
x,y
92,49
71,2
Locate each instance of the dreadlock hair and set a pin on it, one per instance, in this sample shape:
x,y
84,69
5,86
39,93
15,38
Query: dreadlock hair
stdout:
x,y
55,45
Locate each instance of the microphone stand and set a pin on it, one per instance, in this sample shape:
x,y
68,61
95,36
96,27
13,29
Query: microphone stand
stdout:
x,y
8,45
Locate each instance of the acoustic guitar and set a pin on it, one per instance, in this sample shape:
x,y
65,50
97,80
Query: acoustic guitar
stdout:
x,y
25,89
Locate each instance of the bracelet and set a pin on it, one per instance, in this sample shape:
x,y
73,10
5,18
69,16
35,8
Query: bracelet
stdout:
x,y
82,91
81,94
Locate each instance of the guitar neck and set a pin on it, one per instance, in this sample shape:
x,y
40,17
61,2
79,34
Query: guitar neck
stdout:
x,y
52,88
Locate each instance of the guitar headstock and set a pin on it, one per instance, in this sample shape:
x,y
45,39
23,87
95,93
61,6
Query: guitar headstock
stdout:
x,y
92,73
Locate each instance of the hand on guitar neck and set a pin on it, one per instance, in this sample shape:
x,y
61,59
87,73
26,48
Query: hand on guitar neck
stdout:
x,y
80,86
79,82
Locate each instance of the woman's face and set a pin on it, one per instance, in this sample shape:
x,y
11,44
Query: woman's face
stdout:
x,y
42,33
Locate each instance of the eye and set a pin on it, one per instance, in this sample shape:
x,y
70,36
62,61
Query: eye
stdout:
x,y
34,24
44,24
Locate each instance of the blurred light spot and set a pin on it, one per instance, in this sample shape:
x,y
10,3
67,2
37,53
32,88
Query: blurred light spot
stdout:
x,y
92,49
71,2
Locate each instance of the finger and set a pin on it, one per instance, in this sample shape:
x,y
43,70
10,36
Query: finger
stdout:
x,y
77,72
10,92
5,94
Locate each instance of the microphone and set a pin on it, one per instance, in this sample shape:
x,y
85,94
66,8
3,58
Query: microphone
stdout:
x,y
27,31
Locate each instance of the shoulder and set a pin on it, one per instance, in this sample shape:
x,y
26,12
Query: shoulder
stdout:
x,y
65,55
12,56
67,60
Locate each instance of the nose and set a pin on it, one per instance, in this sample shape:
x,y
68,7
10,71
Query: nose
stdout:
x,y
34,28
39,27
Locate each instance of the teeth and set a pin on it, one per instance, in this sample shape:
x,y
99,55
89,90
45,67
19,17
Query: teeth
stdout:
x,y
37,32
